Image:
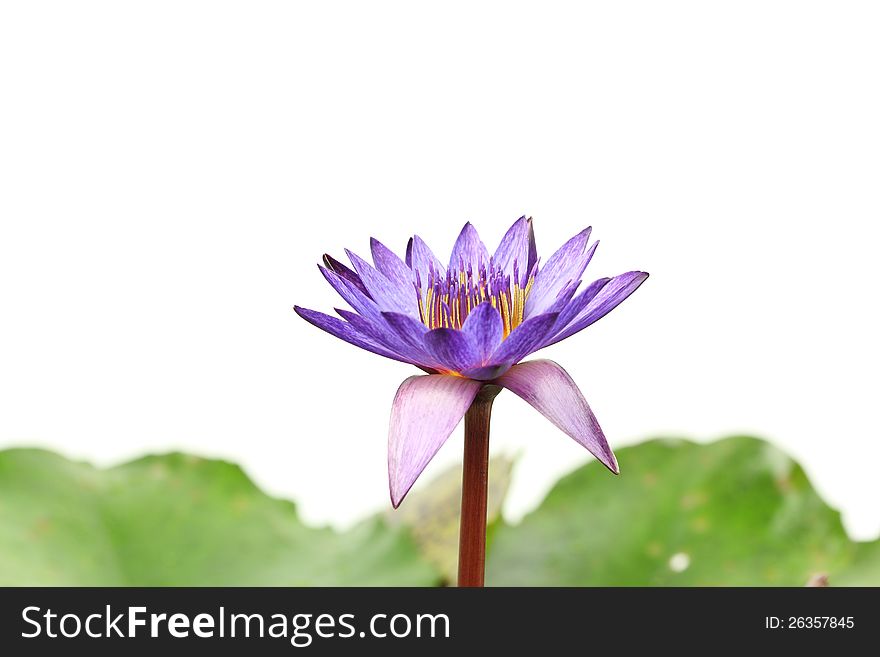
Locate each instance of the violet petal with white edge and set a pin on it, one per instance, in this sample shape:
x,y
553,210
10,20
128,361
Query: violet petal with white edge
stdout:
x,y
563,267
424,262
345,331
524,339
469,251
611,295
413,353
485,328
388,294
341,270
390,264
514,248
453,349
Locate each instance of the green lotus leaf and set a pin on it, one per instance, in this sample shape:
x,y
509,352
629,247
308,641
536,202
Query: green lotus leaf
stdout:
x,y
178,520
734,512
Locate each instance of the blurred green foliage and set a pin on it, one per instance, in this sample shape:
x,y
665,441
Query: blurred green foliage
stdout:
x,y
734,512
178,520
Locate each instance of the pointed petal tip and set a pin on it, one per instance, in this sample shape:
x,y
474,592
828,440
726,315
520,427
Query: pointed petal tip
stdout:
x,y
395,493
331,263
605,455
396,500
612,464
375,244
408,256
638,277
591,251
398,493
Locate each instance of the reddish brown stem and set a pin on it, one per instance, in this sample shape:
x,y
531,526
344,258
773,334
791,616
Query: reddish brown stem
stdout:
x,y
474,489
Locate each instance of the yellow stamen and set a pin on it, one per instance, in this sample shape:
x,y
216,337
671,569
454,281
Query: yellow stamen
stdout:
x,y
505,314
450,308
429,308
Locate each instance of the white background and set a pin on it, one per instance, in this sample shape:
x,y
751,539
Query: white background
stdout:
x,y
170,173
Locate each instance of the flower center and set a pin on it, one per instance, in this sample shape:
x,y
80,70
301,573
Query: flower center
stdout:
x,y
446,301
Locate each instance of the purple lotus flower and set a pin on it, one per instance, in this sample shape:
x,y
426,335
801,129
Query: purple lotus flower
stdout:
x,y
468,324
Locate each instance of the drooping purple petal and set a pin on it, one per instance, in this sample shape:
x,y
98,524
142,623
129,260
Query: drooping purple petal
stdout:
x,y
514,247
425,411
408,328
412,331
388,294
344,331
563,267
469,251
485,328
390,264
424,262
524,339
611,295
553,393
381,334
453,349
344,272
